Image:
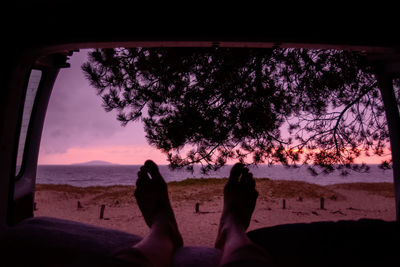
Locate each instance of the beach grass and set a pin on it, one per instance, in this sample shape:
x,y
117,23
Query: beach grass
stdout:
x,y
381,189
209,189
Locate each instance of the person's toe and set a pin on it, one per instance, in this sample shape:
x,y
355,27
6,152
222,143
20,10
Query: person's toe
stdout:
x,y
244,176
153,170
236,171
247,179
143,177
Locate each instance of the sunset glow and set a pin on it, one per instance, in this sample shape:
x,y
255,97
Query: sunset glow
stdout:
x,y
114,154
134,154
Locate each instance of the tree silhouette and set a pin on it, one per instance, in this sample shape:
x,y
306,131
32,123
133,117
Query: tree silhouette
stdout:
x,y
211,105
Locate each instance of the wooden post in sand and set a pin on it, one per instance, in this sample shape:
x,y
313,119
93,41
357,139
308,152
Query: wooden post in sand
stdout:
x,y
197,207
102,211
284,204
322,203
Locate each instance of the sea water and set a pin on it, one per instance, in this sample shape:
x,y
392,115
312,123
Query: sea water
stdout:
x,y
84,175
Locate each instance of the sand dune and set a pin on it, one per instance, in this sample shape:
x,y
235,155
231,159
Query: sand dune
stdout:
x,y
302,204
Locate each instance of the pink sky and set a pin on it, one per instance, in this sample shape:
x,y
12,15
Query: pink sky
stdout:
x,y
133,154
77,129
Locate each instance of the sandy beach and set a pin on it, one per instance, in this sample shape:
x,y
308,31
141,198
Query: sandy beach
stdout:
x,y
350,201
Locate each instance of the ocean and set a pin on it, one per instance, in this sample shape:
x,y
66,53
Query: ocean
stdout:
x,y
106,175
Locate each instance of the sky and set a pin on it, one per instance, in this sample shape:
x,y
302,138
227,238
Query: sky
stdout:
x,y
77,128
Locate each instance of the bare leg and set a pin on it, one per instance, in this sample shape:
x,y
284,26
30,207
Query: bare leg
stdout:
x,y
164,238
240,198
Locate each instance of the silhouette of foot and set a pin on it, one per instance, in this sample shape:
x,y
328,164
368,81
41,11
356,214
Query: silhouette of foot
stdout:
x,y
240,198
152,197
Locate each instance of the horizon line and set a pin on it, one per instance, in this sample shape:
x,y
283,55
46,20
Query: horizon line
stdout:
x,y
124,164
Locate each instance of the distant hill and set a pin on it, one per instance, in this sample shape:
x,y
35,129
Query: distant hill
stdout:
x,y
95,162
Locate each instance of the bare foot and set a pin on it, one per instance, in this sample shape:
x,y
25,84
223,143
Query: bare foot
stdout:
x,y
240,198
152,197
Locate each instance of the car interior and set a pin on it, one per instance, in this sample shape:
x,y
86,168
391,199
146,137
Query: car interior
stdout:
x,y
33,54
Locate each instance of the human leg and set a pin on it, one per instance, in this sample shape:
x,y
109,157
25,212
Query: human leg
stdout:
x,y
240,198
158,246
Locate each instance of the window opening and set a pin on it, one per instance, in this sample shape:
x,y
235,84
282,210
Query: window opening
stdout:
x,y
80,140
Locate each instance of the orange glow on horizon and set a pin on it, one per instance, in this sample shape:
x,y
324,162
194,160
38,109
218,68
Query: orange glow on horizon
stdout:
x,y
373,159
138,154
135,154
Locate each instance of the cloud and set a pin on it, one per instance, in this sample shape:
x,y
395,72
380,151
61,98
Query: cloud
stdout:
x,y
75,117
